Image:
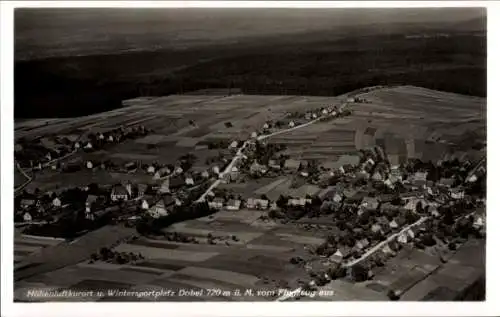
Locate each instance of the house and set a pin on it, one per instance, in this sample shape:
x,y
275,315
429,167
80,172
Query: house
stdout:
x,y
163,171
144,204
304,174
265,126
369,203
216,169
370,162
178,170
479,222
27,217
56,202
233,204
419,178
334,193
189,181
403,238
376,228
274,164
88,145
253,135
411,204
217,203
162,207
205,174
257,169
314,116
151,169
48,157
76,145
341,253
29,202
362,244
233,145
457,193
110,138
255,203
89,165
165,186
377,176
291,124
157,176
298,202
119,192
393,224
324,111
141,189
434,211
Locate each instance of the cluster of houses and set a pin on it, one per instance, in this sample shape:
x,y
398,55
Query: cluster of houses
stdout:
x,y
51,152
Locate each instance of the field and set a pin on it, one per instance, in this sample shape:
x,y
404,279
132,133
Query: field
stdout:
x,y
399,119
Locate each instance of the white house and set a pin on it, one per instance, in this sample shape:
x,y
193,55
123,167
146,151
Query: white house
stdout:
x,y
233,145
304,174
178,170
377,176
217,203
393,224
255,203
457,194
254,135
205,174
111,139
161,207
233,205
27,217
151,169
48,157
77,145
189,181
266,126
144,205
314,116
324,111
403,238
216,170
88,145
119,192
89,165
156,176
56,202
291,124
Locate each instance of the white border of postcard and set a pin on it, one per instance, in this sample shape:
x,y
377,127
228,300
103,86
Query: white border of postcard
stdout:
x,y
245,309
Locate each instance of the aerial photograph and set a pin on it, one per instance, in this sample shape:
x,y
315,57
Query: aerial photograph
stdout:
x,y
249,154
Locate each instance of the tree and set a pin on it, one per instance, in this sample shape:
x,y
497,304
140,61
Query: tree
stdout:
x,y
228,124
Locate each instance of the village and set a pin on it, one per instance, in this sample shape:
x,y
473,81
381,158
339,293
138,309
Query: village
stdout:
x,y
366,207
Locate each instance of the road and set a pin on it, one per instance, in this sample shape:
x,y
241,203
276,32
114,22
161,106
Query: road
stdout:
x,y
239,154
29,179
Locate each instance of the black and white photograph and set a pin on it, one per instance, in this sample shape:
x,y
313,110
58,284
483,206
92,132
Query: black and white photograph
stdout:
x,y
225,154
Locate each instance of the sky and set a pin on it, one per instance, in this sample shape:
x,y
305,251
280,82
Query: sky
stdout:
x,y
45,32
